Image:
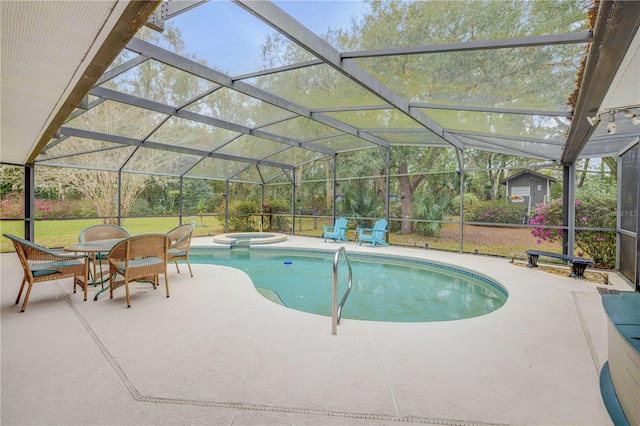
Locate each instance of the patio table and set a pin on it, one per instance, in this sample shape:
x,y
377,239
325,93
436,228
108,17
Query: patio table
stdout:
x,y
92,248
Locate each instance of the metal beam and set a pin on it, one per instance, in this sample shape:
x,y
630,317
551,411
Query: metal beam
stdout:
x,y
175,8
354,108
515,42
616,25
189,115
276,18
290,67
120,69
502,148
197,69
126,141
79,112
74,154
505,43
513,139
133,17
566,114
53,143
168,9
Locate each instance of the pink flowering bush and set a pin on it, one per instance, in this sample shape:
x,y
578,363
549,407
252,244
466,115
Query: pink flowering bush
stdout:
x,y
547,214
595,208
13,207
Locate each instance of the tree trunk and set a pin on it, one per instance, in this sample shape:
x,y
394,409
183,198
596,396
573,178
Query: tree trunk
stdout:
x,y
407,186
584,173
405,202
328,182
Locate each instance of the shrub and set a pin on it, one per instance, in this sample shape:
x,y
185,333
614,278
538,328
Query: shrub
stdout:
x,y
140,208
240,218
495,211
278,208
469,201
13,207
425,208
159,209
595,208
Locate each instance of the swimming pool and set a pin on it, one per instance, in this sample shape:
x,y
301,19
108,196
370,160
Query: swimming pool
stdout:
x,y
384,288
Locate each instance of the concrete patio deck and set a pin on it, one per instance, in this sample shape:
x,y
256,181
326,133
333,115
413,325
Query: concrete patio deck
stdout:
x,y
218,353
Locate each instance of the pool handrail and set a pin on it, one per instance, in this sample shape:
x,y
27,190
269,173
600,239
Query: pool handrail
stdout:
x,y
336,309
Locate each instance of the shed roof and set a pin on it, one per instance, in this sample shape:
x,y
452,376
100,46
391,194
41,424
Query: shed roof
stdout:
x,y
525,172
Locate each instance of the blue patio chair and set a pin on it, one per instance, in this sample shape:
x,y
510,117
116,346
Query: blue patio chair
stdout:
x,y
374,235
337,231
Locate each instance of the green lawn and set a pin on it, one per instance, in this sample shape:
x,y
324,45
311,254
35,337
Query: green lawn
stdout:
x,y
60,233
488,240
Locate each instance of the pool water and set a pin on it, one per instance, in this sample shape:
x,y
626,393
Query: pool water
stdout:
x,y
383,289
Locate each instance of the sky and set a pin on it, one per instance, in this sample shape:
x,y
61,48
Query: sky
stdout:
x,y
229,38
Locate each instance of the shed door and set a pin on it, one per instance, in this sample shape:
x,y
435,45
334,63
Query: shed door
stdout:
x,y
538,191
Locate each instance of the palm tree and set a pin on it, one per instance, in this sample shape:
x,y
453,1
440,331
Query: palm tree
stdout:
x,y
201,210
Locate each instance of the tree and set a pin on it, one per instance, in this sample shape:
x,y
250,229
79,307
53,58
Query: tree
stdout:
x,y
410,166
451,78
472,78
486,184
11,179
197,193
150,80
103,187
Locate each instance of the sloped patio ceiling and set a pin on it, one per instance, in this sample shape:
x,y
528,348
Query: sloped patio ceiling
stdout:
x,y
279,127
52,53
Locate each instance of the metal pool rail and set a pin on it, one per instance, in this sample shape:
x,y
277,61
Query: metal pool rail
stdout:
x,y
336,310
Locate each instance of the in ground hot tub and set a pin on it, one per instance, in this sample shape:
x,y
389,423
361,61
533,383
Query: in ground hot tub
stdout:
x,y
249,238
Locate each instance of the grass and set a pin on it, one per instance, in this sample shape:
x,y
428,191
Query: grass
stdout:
x,y
498,241
60,233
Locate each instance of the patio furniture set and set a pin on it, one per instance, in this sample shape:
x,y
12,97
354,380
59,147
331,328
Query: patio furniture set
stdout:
x,y
126,259
372,236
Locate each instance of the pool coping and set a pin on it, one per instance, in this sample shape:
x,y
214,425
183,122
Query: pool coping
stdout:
x,y
260,238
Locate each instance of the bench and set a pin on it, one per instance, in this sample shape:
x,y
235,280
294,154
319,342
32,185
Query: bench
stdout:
x,y
578,264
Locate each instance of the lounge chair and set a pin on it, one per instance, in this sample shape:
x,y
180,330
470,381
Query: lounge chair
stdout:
x,y
374,235
42,264
139,258
180,238
337,231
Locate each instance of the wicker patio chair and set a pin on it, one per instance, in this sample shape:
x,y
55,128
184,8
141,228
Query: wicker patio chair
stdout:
x,y
180,237
139,258
42,264
101,232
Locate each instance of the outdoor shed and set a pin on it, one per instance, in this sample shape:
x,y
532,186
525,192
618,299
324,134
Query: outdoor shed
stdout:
x,y
528,187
